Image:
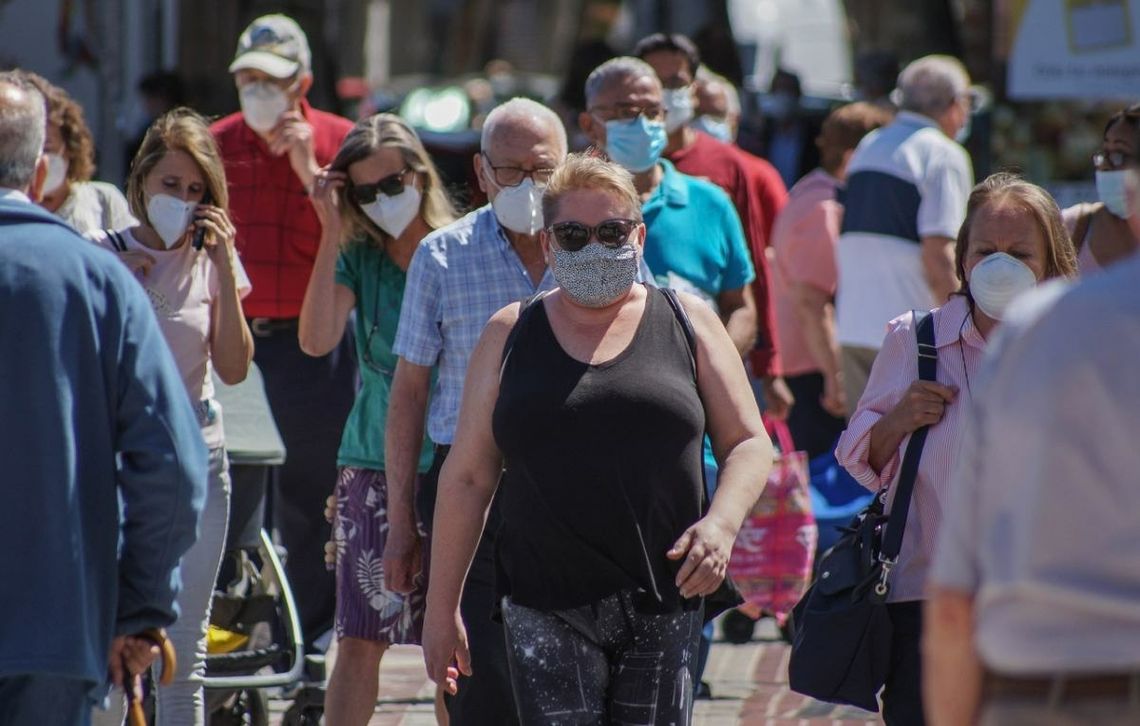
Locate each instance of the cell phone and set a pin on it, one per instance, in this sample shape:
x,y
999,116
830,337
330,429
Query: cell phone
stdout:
x,y
200,233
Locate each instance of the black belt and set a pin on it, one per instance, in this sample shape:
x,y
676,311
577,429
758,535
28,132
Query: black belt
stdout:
x,y
1063,687
265,327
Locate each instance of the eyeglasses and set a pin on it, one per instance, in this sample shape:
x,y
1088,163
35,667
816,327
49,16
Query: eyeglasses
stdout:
x,y
512,176
573,236
390,185
1111,159
629,112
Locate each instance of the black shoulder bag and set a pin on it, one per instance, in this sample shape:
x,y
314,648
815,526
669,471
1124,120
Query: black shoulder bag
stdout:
x,y
841,648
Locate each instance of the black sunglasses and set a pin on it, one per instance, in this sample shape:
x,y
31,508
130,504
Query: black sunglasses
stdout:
x,y
573,236
390,185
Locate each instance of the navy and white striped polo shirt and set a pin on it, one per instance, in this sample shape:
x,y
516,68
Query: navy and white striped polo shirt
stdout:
x,y
905,181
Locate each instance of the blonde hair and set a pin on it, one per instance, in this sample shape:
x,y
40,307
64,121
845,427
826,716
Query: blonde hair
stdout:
x,y
1003,189
385,130
591,173
180,129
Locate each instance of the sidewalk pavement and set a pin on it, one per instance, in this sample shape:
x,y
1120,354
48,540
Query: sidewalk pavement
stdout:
x,y
749,686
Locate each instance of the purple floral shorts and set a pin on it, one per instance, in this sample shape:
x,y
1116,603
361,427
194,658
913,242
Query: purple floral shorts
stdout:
x,y
365,609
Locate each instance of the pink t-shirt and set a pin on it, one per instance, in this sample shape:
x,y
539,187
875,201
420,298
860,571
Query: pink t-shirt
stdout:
x,y
182,287
803,243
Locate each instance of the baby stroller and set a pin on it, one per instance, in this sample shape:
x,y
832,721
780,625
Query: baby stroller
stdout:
x,y
255,640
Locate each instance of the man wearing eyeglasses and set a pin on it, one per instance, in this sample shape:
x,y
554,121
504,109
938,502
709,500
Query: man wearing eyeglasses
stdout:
x,y
755,187
460,276
272,149
907,187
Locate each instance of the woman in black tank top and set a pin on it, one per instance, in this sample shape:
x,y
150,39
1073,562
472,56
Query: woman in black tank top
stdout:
x,y
592,404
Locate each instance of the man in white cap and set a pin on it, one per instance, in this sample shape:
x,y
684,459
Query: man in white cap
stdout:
x,y
272,149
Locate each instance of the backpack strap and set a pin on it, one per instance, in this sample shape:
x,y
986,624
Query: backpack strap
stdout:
x,y
927,371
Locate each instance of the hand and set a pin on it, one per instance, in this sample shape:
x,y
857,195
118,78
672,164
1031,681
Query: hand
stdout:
x,y
138,262
834,398
403,557
705,548
445,648
294,136
130,656
326,185
923,404
219,239
778,398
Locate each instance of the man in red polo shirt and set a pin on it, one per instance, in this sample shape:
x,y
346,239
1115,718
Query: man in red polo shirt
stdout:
x,y
272,148
754,185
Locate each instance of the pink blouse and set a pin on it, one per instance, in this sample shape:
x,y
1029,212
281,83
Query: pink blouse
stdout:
x,y
960,350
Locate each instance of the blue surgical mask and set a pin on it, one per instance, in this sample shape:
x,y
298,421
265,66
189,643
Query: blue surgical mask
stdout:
x,y
717,128
636,144
1110,188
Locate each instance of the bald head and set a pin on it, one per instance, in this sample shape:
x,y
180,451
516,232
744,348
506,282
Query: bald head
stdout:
x,y
523,116
22,126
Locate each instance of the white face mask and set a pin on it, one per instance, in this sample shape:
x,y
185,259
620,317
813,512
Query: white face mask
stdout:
x,y
518,208
997,280
56,173
1110,187
169,216
394,214
262,103
678,104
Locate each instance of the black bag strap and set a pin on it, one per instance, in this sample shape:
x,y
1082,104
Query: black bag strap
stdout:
x,y
927,371
117,240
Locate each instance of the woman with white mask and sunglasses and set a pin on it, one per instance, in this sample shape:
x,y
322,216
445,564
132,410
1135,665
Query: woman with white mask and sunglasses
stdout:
x,y
376,201
1012,239
1100,230
182,252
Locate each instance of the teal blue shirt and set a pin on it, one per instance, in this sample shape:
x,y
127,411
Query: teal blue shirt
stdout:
x,y
378,284
694,242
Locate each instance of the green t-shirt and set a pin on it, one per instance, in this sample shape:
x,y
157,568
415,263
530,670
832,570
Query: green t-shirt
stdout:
x,y
378,284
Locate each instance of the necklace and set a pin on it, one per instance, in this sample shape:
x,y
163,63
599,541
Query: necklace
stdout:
x,y
962,353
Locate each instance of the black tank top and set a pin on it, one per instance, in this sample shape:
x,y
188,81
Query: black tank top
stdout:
x,y
603,465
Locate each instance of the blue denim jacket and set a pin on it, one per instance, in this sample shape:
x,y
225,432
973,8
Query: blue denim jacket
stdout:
x,y
102,462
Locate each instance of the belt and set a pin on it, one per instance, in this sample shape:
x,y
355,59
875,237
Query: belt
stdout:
x,y
265,327
1063,687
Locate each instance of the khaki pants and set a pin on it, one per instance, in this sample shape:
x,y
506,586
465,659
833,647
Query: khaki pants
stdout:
x,y
857,362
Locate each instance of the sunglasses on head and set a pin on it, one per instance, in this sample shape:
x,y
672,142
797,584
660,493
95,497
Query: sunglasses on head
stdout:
x,y
390,185
573,236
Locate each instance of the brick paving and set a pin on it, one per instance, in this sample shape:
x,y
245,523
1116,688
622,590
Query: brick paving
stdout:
x,y
748,682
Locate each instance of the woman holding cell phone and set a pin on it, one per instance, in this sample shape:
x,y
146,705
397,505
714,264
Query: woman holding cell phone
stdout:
x,y
182,252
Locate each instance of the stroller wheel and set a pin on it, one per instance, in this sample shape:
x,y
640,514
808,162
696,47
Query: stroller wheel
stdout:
x,y
249,707
737,627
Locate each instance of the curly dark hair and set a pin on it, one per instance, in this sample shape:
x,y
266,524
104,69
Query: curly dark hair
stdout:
x,y
65,112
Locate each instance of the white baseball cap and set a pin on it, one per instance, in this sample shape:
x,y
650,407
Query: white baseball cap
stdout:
x,y
274,44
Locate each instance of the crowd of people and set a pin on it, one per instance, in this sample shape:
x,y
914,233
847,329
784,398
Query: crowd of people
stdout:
x,y
540,421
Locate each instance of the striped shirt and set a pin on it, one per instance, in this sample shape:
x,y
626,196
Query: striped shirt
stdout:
x,y
905,181
960,352
459,277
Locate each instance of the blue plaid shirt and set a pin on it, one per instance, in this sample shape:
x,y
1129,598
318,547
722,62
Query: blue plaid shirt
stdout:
x,y
460,276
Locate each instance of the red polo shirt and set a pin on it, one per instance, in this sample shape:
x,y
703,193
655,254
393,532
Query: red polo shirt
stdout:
x,y
759,194
278,232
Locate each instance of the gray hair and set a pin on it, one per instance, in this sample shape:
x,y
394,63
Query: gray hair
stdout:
x,y
931,84
617,69
523,108
22,127
711,79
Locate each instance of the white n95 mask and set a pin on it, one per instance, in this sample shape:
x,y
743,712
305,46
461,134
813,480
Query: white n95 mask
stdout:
x,y
169,216
997,280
